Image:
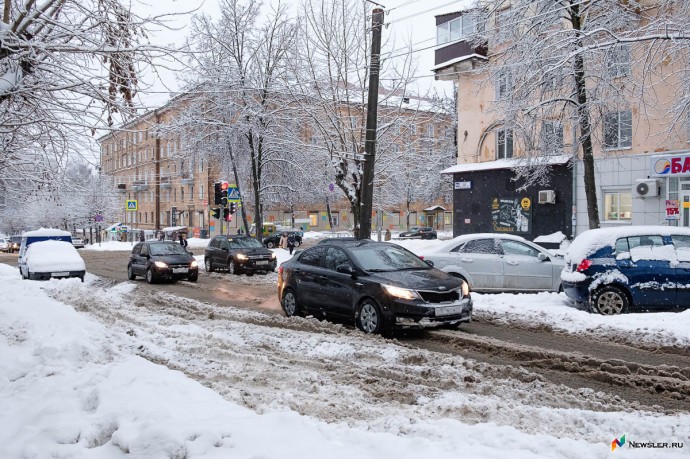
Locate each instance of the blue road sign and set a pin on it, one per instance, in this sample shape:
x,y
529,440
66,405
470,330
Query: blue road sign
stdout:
x,y
131,204
233,193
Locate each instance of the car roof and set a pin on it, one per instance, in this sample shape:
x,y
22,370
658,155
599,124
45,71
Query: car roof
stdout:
x,y
592,240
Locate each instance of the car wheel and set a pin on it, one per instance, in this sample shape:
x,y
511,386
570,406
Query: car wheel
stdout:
x,y
149,276
270,244
207,265
130,273
610,301
369,318
232,268
291,306
297,243
193,278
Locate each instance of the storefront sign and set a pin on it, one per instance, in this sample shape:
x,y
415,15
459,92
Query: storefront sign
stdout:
x,y
511,215
463,185
672,210
669,165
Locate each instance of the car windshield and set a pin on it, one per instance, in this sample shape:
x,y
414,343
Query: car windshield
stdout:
x,y
244,243
415,229
386,258
166,249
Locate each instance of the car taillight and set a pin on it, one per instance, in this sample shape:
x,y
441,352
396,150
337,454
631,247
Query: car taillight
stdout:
x,y
280,270
584,264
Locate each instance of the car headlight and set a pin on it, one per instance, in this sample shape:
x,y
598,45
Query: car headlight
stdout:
x,y
241,256
399,292
273,256
194,264
160,264
465,289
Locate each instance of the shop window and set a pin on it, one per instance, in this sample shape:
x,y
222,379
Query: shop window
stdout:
x,y
313,219
617,206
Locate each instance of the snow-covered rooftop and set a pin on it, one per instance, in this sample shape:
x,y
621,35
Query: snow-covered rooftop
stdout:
x,y
511,163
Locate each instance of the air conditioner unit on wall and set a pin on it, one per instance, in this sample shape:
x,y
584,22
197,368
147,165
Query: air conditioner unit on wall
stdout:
x,y
547,197
646,188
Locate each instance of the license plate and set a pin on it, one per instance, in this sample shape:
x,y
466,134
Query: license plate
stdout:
x,y
60,274
180,270
262,262
448,311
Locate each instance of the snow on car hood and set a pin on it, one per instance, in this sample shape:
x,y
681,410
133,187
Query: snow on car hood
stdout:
x,y
52,256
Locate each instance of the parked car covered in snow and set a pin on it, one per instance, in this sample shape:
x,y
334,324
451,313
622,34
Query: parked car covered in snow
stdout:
x,y
492,262
49,253
77,242
4,244
617,270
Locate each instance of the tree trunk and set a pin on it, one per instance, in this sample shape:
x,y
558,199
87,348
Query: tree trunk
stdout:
x,y
585,131
255,149
6,12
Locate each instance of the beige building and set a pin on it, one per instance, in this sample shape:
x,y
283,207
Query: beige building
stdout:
x,y
170,187
634,186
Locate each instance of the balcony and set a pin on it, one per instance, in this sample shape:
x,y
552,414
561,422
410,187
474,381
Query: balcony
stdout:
x,y
121,187
140,185
166,183
187,178
456,56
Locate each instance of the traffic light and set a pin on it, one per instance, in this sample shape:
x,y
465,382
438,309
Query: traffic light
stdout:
x,y
224,194
215,213
226,215
233,207
217,193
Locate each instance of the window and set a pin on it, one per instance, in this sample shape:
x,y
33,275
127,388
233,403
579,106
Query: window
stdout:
x,y
430,131
312,257
479,246
335,257
618,206
518,248
504,143
503,24
457,29
313,219
618,61
504,84
618,130
551,137
201,191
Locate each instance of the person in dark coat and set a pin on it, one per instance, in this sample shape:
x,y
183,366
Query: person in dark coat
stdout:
x,y
183,241
291,242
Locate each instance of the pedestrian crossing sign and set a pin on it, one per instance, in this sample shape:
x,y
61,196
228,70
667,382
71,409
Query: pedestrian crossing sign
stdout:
x,y
131,204
233,193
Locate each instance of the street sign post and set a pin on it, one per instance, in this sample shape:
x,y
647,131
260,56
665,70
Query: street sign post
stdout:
x,y
233,193
131,205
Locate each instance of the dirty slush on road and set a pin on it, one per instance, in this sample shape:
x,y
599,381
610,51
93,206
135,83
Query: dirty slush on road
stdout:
x,y
335,373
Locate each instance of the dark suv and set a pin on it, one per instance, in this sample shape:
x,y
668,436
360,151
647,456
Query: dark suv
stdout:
x,y
238,254
157,260
381,286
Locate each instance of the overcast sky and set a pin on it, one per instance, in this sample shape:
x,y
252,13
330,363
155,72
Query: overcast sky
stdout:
x,y
409,21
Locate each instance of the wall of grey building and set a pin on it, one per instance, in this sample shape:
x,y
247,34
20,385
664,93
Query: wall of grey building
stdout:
x,y
475,209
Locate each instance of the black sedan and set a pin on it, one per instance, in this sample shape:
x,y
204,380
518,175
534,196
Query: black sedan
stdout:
x,y
273,240
238,254
381,286
419,232
162,260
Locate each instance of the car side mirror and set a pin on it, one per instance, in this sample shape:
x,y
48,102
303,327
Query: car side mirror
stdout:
x,y
190,253
225,249
346,268
542,256
429,262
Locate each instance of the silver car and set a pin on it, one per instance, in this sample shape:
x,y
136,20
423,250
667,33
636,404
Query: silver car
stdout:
x,y
499,263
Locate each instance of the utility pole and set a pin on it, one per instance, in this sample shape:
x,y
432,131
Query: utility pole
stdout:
x,y
367,190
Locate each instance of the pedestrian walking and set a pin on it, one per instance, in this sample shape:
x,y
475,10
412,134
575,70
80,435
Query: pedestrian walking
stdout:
x,y
283,241
388,235
291,242
183,241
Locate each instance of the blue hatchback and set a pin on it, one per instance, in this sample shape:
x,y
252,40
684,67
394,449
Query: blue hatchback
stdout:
x,y
616,270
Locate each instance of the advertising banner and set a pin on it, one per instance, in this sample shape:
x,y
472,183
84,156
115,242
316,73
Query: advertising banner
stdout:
x,y
512,215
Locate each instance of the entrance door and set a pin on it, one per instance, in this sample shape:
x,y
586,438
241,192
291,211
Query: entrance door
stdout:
x,y
684,210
